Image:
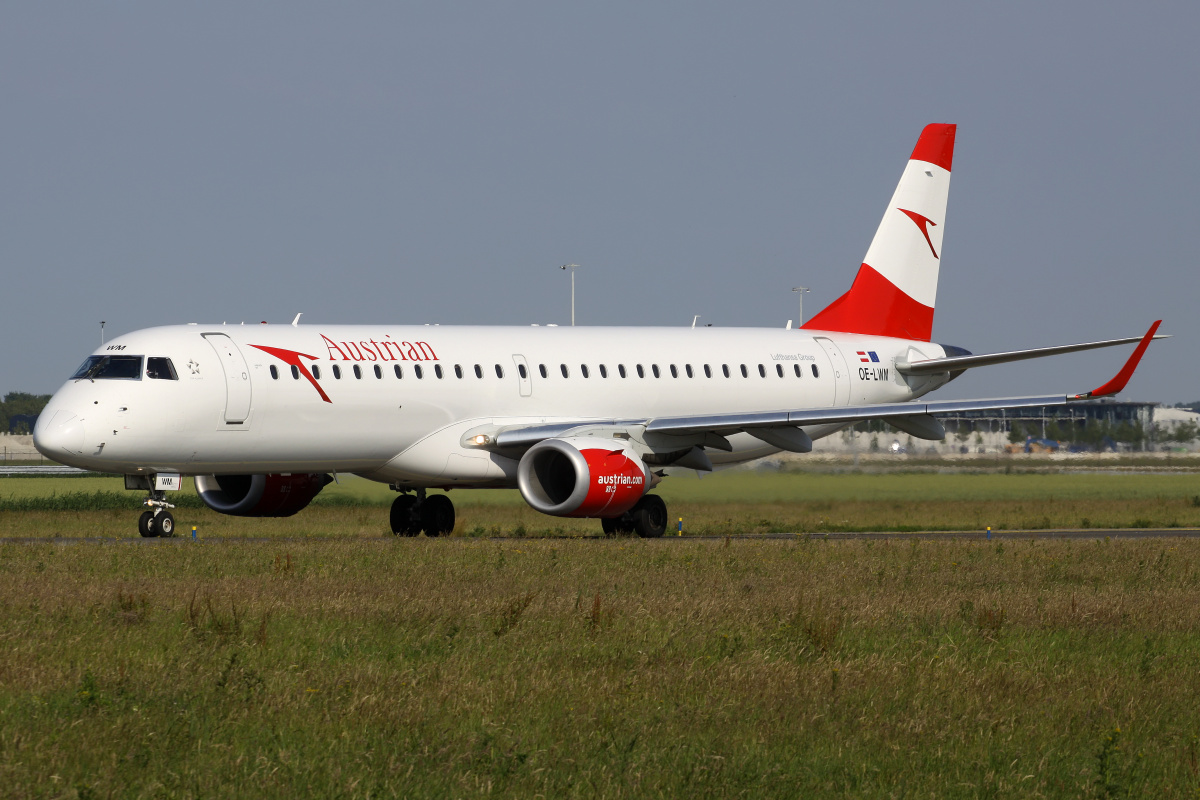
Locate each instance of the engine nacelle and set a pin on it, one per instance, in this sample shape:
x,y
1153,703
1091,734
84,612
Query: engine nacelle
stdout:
x,y
260,495
582,476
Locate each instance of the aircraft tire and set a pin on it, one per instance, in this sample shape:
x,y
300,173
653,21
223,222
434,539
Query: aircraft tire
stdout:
x,y
616,526
650,517
163,525
437,515
144,525
403,519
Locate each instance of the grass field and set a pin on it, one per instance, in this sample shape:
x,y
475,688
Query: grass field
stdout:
x,y
600,668
730,502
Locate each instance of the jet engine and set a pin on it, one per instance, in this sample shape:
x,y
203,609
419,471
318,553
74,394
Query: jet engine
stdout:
x,y
582,477
260,495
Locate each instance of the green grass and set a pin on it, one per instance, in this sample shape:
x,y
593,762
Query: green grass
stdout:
x,y
730,502
621,668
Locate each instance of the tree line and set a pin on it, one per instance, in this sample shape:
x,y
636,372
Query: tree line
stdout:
x,y
20,404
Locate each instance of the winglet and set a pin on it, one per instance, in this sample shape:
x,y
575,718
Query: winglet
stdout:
x,y
1121,378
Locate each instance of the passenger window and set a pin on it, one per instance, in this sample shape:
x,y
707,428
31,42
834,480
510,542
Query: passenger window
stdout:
x,y
725,369
641,372
603,371
779,369
420,373
797,368
378,371
583,369
499,372
296,372
816,374
745,374
337,372
542,370
399,372
688,369
160,369
654,369
357,371
707,371
458,371
274,373
316,372
478,371
621,370
437,370
762,371
522,371
674,372
563,369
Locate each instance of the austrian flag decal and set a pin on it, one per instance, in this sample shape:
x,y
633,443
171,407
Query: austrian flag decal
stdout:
x,y
868,357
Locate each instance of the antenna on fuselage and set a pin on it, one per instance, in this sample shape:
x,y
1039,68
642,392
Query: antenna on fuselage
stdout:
x,y
296,321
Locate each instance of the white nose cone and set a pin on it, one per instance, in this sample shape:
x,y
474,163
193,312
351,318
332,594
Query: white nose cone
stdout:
x,y
61,437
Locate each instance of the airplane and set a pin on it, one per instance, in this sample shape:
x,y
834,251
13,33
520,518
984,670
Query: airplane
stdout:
x,y
583,421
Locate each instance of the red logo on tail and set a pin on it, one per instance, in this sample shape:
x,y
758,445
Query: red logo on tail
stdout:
x,y
292,357
922,222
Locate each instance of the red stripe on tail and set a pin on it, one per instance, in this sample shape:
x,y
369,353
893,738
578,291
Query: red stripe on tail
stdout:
x,y
936,145
874,306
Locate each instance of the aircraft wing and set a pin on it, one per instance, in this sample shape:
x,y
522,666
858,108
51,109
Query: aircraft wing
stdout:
x,y
783,428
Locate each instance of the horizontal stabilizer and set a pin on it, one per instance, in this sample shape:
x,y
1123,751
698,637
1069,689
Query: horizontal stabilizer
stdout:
x,y
958,363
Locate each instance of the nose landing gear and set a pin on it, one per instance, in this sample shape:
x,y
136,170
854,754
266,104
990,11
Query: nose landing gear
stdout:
x,y
157,521
412,514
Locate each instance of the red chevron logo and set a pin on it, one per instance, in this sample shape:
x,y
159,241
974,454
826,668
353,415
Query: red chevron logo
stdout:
x,y
922,222
292,358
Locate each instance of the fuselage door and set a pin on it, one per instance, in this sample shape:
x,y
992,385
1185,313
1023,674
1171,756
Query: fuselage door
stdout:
x,y
841,373
523,375
237,378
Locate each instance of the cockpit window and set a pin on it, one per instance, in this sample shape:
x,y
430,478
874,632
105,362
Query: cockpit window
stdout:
x,y
160,369
98,368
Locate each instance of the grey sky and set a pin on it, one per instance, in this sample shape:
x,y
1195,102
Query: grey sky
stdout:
x,y
436,162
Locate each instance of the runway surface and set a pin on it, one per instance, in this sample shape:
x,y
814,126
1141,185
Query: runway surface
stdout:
x,y
1088,535
56,469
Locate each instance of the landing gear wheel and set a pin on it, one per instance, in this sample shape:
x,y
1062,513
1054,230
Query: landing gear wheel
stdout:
x,y
437,515
403,517
145,528
164,524
616,526
649,517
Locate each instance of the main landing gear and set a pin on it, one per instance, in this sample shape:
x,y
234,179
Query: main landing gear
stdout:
x,y
413,514
157,520
647,518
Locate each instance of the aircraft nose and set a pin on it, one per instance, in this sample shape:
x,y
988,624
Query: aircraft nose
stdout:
x,y
59,435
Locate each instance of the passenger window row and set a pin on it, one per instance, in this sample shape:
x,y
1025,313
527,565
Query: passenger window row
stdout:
x,y
675,372
417,371
438,372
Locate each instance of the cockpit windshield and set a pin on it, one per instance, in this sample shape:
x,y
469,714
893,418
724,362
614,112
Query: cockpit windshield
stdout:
x,y
98,368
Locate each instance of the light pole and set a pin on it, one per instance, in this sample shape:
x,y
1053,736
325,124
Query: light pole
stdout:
x,y
572,267
800,290
101,333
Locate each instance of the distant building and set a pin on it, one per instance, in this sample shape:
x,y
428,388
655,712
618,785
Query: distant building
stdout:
x,y
1078,414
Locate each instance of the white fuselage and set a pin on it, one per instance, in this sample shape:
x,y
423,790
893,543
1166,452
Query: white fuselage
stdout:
x,y
236,407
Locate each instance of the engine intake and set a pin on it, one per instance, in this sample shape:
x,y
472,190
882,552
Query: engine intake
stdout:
x,y
582,477
260,495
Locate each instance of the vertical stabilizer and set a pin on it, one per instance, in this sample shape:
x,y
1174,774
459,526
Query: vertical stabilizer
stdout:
x,y
895,290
